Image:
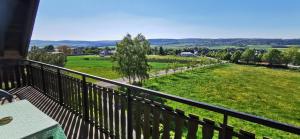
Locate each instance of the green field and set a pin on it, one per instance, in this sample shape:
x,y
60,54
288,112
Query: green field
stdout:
x,y
270,93
101,66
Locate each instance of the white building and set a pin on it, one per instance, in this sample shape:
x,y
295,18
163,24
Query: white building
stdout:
x,y
186,54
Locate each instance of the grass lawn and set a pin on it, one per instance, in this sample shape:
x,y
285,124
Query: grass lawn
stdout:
x,y
101,66
269,93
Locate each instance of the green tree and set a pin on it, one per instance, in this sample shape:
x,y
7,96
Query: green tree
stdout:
x,y
259,57
161,51
174,66
155,51
290,55
273,56
236,57
226,56
297,59
167,70
64,49
130,58
248,55
49,48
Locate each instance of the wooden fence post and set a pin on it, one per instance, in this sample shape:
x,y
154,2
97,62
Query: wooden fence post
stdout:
x,y
85,99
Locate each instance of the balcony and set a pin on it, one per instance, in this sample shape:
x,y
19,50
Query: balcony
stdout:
x,y
87,110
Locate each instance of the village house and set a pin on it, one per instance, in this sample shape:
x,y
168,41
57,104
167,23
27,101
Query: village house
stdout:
x,y
187,54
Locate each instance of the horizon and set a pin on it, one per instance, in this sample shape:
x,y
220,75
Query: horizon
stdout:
x,y
173,39
95,20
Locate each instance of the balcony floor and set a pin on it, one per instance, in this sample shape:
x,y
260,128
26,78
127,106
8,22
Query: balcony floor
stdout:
x,y
73,125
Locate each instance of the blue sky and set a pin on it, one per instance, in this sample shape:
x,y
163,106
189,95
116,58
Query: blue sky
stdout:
x,y
112,19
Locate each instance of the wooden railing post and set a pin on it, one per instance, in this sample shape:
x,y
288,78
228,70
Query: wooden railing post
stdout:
x,y
60,93
129,114
225,121
85,99
226,132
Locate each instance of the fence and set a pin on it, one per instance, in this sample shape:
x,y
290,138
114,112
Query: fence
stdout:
x,y
128,111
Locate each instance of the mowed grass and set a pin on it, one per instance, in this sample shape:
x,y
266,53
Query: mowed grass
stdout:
x,y
265,92
102,66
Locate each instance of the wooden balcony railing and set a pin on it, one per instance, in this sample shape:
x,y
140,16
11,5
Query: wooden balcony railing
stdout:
x,y
127,111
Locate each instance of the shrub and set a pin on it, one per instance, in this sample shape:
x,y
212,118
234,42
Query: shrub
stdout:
x,y
57,59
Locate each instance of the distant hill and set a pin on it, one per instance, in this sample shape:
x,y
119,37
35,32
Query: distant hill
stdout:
x,y
184,42
42,43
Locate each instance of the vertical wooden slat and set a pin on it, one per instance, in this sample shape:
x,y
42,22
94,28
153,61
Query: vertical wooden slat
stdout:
x,y
46,81
63,87
67,91
146,123
28,75
105,120
137,118
192,126
117,124
23,75
91,110
5,78
50,81
167,122
56,92
208,129
100,109
60,86
74,82
79,83
123,117
55,86
226,132
46,72
73,94
78,92
18,75
156,122
70,93
179,123
95,102
246,135
12,77
111,116
100,100
1,75
51,84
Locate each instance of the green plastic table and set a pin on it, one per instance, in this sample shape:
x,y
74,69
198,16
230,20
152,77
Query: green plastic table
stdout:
x,y
28,122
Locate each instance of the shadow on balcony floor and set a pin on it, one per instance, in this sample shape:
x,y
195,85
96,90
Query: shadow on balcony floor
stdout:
x,y
73,125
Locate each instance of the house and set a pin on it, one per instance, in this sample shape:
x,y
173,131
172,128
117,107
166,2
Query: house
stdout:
x,y
76,51
88,110
186,54
106,52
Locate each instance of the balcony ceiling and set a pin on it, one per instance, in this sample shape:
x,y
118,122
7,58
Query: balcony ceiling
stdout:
x,y
16,25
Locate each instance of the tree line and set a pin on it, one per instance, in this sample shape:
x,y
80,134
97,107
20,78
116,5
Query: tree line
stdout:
x,y
271,57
